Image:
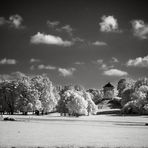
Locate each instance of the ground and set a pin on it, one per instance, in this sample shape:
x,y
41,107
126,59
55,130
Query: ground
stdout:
x,y
53,130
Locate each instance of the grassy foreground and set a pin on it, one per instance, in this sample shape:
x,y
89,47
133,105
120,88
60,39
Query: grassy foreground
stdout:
x,y
53,131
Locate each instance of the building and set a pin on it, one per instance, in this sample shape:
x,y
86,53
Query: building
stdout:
x,y
108,91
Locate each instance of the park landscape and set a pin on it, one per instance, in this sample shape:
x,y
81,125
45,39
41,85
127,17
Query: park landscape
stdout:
x,y
71,116
73,74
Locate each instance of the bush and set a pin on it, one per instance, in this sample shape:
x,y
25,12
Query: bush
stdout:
x,y
115,102
9,119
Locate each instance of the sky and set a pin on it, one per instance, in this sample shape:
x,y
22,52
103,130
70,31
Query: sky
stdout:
x,y
86,42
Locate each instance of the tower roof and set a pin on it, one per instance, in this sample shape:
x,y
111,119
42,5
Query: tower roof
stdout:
x,y
108,85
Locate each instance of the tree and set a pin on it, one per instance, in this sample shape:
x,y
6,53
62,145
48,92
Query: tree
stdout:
x,y
137,103
76,104
79,87
138,100
124,84
126,96
121,86
26,96
38,105
144,89
145,109
91,107
76,101
61,107
8,96
97,95
46,92
141,82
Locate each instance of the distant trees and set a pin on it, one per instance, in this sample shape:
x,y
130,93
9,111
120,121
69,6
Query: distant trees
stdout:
x,y
37,94
124,84
97,95
28,94
126,96
135,97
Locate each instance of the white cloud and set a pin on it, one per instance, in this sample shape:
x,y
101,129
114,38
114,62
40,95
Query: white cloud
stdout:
x,y
138,62
41,38
79,63
47,67
14,21
109,24
115,72
105,66
99,61
52,24
66,72
99,43
77,39
102,65
68,29
32,60
8,61
140,29
115,60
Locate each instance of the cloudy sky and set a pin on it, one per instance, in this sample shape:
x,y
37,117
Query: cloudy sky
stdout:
x,y
87,42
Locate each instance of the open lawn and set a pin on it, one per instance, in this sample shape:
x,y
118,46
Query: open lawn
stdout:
x,y
53,130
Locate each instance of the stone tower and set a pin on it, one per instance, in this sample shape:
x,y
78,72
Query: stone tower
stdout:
x,y
108,90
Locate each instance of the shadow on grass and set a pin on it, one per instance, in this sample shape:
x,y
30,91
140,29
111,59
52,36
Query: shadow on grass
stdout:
x,y
129,115
116,112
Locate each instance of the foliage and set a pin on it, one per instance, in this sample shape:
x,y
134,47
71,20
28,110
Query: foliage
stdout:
x,y
97,95
25,96
75,100
126,96
8,96
38,94
46,92
143,88
115,102
124,84
137,99
28,94
76,103
141,82
91,108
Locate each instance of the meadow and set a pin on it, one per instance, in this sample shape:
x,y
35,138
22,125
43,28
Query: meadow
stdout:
x,y
85,131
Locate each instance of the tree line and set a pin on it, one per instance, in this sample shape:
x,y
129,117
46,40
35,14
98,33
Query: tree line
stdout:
x,y
38,95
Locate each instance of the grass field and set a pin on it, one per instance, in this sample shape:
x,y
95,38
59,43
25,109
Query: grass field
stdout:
x,y
93,131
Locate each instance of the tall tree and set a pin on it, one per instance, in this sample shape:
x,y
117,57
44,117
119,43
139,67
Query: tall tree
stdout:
x,y
46,92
